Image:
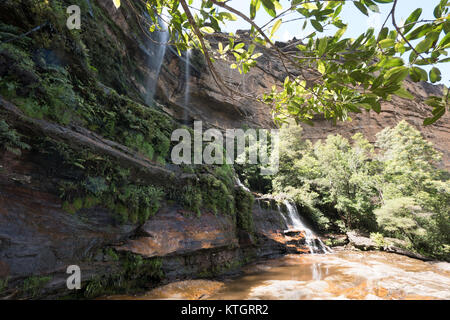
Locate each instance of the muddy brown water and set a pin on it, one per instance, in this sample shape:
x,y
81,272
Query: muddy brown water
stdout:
x,y
340,275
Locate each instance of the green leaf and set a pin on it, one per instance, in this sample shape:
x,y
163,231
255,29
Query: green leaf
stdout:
x,y
445,40
444,60
358,76
229,16
435,75
239,46
419,32
321,67
396,75
276,26
424,45
387,43
322,46
417,74
376,106
254,7
383,34
207,30
410,22
269,7
403,93
309,6
438,11
389,62
361,8
438,113
317,25
340,32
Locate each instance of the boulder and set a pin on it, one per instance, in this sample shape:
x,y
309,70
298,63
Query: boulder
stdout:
x,y
360,241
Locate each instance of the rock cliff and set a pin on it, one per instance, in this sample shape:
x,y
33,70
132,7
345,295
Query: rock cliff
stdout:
x,y
208,103
78,192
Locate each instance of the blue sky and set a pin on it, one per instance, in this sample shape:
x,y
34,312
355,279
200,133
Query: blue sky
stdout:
x,y
357,22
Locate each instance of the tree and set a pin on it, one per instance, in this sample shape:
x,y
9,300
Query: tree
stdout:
x,y
398,218
398,190
327,75
409,160
333,175
416,193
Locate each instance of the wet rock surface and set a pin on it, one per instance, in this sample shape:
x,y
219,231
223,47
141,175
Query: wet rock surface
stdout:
x,y
39,239
170,233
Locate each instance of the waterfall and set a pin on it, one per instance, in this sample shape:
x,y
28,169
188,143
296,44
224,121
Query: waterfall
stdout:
x,y
312,241
158,45
241,185
282,215
187,85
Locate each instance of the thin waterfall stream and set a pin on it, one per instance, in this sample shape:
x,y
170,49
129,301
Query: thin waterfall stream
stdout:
x,y
187,85
241,185
157,45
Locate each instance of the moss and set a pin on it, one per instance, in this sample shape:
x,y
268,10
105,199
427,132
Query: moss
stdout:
x,y
32,286
223,268
191,199
3,286
216,195
90,202
68,207
50,77
111,253
99,181
244,206
78,204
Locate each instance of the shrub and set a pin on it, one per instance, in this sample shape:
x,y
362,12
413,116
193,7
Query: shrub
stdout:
x,y
378,238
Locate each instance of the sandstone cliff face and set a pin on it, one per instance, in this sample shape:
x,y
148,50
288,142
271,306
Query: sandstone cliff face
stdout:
x,y
208,103
211,105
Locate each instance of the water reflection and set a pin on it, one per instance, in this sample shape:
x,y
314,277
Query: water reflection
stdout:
x,y
341,275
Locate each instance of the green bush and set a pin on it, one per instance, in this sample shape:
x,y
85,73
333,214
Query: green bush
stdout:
x,y
378,238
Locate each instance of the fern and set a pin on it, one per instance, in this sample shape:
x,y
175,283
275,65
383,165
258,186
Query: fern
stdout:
x,y
10,140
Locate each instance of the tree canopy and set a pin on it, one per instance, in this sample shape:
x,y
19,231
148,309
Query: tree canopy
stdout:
x,y
341,184
331,76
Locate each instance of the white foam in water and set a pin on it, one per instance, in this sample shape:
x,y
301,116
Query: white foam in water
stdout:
x,y
310,237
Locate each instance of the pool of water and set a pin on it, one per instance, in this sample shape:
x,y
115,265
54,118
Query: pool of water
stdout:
x,y
340,275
